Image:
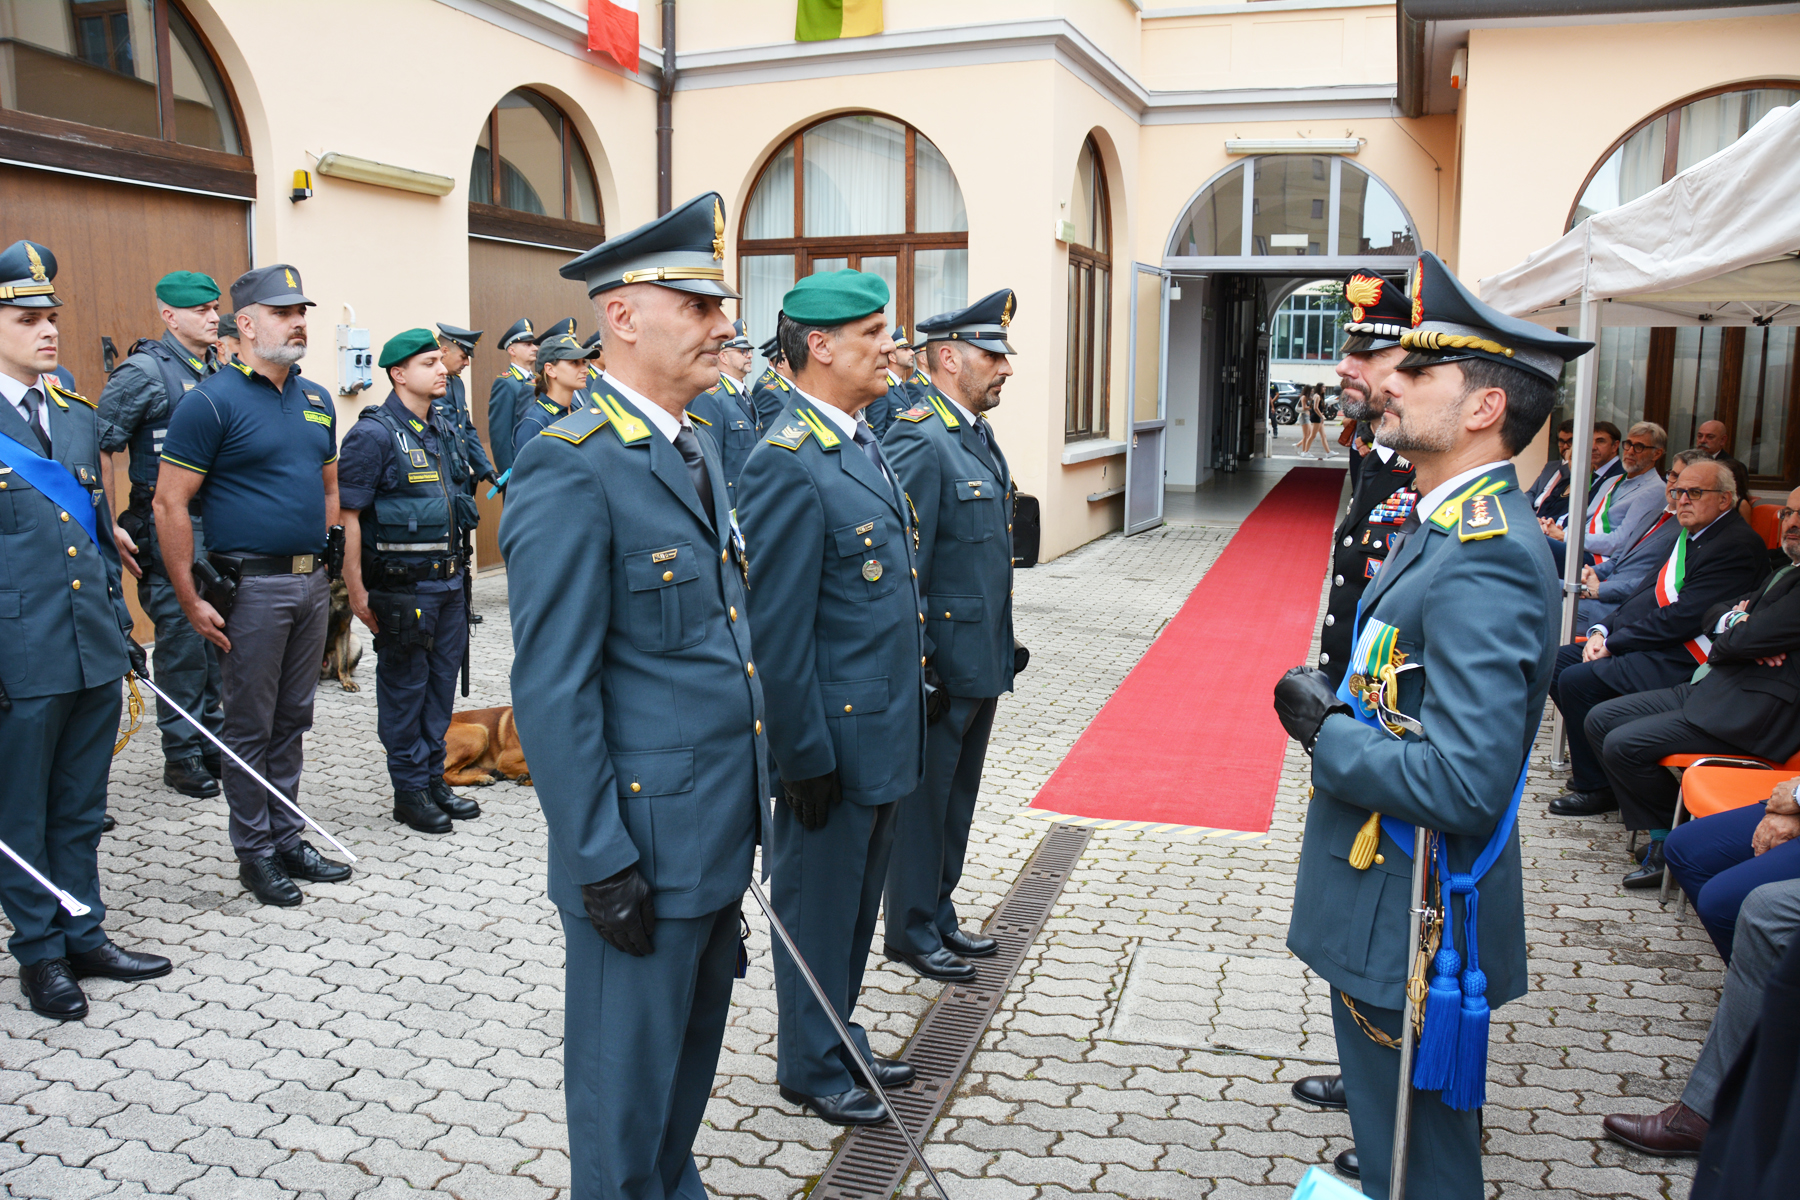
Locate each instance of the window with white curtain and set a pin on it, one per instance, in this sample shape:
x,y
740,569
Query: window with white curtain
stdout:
x,y
862,191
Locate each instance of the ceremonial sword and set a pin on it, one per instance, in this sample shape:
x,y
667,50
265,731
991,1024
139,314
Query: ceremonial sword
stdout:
x,y
843,1033
1417,911
248,769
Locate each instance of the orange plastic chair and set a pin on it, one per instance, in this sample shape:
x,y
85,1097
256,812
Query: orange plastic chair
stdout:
x,y
1714,783
1766,520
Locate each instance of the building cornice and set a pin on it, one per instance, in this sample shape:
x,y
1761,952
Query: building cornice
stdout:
x,y
1042,40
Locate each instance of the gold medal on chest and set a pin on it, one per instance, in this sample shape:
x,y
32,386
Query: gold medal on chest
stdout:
x,y
872,570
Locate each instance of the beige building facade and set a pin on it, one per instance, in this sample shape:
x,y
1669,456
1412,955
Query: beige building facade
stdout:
x,y
1144,174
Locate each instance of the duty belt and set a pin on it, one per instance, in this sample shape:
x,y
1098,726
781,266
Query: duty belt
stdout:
x,y
298,564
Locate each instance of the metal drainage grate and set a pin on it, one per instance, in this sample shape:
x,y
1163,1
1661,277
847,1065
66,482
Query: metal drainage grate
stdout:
x,y
872,1160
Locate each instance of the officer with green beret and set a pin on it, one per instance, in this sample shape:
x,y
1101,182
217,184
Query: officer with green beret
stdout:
x,y
639,706
840,639
140,400
403,491
511,391
727,410
66,646
774,387
561,385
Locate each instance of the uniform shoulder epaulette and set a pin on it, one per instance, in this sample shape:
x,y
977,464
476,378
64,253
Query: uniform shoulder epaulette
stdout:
x,y
915,415
790,436
1481,518
629,428
694,416
547,406
63,391
578,425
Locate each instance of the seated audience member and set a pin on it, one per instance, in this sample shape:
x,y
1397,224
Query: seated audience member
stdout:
x,y
1741,702
1721,859
1658,635
1625,505
1606,584
1741,473
1767,923
1549,492
1712,438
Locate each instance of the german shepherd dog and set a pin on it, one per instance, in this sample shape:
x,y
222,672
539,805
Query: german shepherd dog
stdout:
x,y
342,649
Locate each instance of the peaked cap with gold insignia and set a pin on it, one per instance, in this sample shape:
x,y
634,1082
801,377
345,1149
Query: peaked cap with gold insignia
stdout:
x,y
983,324
26,271
683,249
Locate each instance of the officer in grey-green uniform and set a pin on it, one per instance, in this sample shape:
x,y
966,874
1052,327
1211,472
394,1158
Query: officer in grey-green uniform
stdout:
x,y
1448,675
728,411
840,639
900,395
772,389
458,346
135,409
556,401
951,466
65,642
639,706
511,390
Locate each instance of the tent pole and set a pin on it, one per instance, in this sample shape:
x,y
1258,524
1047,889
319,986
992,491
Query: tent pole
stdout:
x,y
1586,388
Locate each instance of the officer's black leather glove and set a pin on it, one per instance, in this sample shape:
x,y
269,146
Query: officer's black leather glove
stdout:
x,y
1021,656
1303,699
140,659
623,911
811,799
937,700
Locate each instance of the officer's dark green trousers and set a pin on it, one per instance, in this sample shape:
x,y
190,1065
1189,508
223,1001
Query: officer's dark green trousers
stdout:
x,y
1443,1160
931,832
641,1041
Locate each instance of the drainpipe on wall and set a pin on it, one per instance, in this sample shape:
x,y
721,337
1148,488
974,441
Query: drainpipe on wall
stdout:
x,y
665,115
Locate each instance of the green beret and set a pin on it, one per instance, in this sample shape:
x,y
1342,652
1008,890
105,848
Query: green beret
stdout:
x,y
403,346
186,289
835,297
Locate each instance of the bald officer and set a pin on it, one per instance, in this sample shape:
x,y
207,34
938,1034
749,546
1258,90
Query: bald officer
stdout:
x,y
640,709
66,646
511,391
951,466
835,600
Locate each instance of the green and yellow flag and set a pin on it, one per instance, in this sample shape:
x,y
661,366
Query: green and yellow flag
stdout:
x,y
823,20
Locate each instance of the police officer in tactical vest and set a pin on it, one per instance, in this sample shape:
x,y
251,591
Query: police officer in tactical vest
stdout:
x,y
403,490
63,649
135,409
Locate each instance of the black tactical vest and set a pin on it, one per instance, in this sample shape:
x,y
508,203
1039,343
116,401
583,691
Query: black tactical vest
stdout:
x,y
147,442
418,522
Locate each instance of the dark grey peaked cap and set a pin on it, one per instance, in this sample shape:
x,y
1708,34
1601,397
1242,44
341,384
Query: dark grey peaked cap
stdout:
x,y
683,249
983,324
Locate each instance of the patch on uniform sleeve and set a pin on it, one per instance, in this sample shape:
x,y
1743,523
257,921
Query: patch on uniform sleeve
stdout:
x,y
575,427
915,415
790,436
1481,518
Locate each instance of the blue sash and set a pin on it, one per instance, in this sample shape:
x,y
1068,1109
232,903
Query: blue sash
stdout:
x,y
54,480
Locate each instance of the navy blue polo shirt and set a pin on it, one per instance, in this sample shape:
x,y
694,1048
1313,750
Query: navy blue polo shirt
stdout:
x,y
262,452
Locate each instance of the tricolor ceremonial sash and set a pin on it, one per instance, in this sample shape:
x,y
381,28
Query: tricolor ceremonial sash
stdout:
x,y
1602,520
1668,591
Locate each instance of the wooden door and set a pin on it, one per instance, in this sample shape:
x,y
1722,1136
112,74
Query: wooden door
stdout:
x,y
112,242
508,281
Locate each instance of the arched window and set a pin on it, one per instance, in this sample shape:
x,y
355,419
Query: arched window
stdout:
x,y
1662,146
131,66
862,191
1085,412
544,189
1304,205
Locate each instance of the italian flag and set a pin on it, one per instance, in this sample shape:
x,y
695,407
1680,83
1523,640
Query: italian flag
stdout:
x,y
613,30
823,20
1668,591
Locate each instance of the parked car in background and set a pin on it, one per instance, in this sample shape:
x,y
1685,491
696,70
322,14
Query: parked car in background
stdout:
x,y
1331,406
1284,401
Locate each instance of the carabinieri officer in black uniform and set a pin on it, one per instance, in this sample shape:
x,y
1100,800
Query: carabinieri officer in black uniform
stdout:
x,y
639,705
403,491
65,642
727,410
135,409
841,637
951,467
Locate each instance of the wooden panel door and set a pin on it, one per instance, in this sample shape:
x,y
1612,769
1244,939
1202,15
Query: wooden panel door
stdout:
x,y
508,281
112,242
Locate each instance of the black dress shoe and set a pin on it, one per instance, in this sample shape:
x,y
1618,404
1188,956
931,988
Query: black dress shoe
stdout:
x,y
1325,1091
303,862
271,884
107,824
1649,874
475,618
970,945
891,1072
858,1106
110,962
1346,1165
215,763
460,807
1584,804
940,964
51,990
190,777
419,811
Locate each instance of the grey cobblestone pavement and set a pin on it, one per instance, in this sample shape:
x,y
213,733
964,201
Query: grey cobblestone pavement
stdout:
x,y
399,1034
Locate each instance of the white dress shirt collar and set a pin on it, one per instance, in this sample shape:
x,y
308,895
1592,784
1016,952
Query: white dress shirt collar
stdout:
x,y
834,414
1386,452
658,415
14,391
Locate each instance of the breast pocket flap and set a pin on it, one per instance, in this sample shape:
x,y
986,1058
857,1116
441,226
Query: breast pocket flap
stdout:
x,y
654,772
954,608
861,537
665,567
977,489
850,697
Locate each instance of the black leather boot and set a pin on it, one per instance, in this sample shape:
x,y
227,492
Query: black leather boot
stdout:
x,y
1650,873
418,810
215,763
190,777
458,807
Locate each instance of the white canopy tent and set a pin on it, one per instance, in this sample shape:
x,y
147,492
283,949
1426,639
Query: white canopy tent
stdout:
x,y
1719,244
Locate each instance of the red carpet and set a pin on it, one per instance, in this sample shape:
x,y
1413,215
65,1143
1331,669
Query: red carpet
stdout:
x,y
1190,737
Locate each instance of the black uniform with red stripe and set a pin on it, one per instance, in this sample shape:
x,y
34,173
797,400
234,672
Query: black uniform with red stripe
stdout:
x,y
1383,499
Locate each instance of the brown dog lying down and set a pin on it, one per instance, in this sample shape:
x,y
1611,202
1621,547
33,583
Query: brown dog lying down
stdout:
x,y
481,747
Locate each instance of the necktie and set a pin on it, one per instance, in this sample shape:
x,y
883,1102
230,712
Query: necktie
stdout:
x,y
689,446
865,437
32,418
987,437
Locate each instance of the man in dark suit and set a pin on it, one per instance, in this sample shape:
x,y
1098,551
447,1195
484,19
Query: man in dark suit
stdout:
x,y
1549,492
1658,635
638,704
841,653
1743,701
